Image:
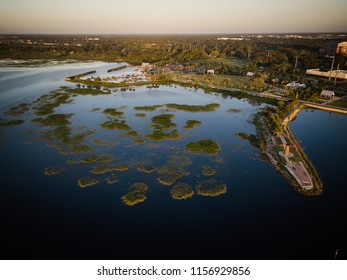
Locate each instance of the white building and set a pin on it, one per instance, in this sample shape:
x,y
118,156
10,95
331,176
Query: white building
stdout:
x,y
145,66
210,72
250,74
296,85
327,94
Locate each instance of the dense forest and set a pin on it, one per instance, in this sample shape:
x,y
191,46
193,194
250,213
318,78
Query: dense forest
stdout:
x,y
278,53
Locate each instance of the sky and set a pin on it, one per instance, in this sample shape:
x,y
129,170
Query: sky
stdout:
x,y
171,16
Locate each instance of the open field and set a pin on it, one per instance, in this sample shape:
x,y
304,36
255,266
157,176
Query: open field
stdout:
x,y
228,80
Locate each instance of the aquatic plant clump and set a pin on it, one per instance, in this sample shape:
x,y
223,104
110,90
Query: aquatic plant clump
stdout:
x,y
10,122
194,108
131,133
140,115
163,121
103,168
182,191
139,141
203,146
113,112
79,148
54,170
18,110
102,143
54,120
159,135
147,108
136,194
90,159
168,179
115,124
88,91
181,161
211,188
121,167
191,124
170,174
232,110
112,179
146,169
208,171
86,182
95,110
46,103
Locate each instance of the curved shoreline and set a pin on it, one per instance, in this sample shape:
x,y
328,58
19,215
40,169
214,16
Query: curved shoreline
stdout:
x,y
301,173
283,167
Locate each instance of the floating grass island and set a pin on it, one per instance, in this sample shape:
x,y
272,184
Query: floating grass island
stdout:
x,y
121,167
86,182
182,107
131,133
194,108
112,179
139,141
163,122
147,108
146,169
233,110
182,191
115,124
208,147
113,112
137,194
88,91
211,188
18,110
93,158
54,170
170,177
191,124
10,122
103,168
46,104
54,120
159,135
208,171
140,115
102,143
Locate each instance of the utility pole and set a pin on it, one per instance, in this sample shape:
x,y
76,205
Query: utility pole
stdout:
x,y
296,61
337,70
332,65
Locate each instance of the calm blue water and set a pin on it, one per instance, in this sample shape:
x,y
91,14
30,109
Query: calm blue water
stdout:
x,y
260,216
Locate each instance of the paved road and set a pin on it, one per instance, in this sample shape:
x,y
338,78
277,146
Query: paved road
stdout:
x,y
277,97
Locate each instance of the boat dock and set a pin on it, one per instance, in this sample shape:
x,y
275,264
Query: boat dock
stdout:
x,y
79,75
117,69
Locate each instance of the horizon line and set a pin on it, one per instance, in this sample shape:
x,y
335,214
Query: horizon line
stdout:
x,y
168,34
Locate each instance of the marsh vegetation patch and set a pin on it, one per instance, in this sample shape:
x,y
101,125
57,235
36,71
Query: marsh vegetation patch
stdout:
x,y
206,146
136,194
181,191
211,188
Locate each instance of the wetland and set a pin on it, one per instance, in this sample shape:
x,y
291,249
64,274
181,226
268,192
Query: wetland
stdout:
x,y
176,166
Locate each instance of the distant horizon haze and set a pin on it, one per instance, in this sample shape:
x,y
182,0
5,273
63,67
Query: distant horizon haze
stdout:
x,y
161,17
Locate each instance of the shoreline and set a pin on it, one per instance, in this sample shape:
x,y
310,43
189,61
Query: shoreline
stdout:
x,y
301,174
268,148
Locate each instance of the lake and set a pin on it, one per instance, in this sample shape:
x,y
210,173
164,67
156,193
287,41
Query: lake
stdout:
x,y
69,169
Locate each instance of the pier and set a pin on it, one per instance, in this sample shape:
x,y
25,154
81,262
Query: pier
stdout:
x,y
117,69
79,75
